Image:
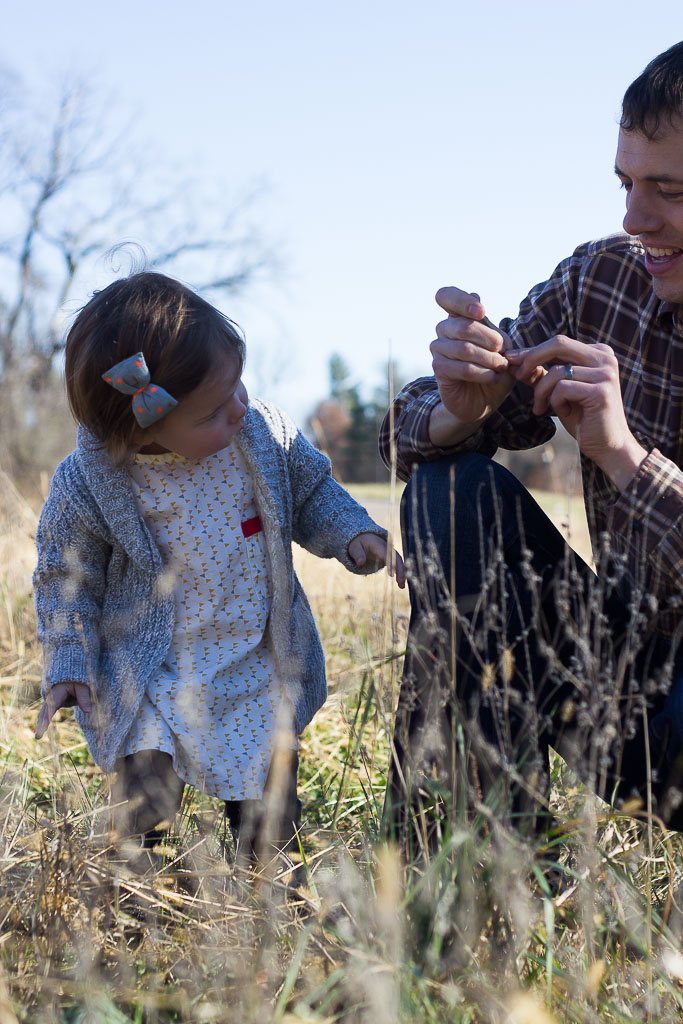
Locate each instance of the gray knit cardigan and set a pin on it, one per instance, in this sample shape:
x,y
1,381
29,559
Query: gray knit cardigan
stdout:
x,y
104,600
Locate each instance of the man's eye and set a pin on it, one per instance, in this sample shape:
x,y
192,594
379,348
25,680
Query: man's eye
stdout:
x,y
671,195
626,185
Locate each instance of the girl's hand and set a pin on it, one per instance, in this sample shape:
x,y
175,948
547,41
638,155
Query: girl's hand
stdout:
x,y
63,695
369,547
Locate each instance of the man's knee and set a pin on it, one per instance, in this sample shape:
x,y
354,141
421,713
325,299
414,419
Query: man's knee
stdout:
x,y
463,494
466,476
451,472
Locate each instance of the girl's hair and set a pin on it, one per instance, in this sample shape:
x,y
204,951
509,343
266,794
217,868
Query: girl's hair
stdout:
x,y
180,335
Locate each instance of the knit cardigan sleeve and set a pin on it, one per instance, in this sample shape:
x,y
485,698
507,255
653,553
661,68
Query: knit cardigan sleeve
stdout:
x,y
69,584
325,518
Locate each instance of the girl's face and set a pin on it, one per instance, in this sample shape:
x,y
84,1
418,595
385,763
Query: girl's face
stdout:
x,y
205,420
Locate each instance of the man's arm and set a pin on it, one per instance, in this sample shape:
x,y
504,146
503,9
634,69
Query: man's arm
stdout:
x,y
649,514
504,416
583,390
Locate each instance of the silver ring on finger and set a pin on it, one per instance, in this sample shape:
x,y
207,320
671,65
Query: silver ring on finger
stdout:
x,y
569,371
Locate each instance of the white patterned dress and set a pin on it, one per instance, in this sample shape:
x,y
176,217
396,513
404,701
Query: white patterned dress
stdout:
x,y
213,704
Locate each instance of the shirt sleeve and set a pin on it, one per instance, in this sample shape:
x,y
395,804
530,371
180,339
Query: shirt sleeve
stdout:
x,y
649,515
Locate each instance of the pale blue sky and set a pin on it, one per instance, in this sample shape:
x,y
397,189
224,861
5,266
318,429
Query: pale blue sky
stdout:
x,y
405,146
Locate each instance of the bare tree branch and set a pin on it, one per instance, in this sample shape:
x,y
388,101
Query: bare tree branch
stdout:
x,y
71,191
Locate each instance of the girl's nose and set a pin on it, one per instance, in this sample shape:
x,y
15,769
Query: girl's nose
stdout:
x,y
238,406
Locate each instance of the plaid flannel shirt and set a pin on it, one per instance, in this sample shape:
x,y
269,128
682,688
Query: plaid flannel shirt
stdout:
x,y
602,293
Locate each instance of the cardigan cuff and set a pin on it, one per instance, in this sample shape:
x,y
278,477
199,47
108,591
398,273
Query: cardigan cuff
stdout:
x,y
69,664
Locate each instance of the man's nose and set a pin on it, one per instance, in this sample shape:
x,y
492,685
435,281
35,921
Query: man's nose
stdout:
x,y
641,217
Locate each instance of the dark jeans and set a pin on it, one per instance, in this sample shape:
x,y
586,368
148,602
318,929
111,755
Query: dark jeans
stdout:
x,y
150,794
534,651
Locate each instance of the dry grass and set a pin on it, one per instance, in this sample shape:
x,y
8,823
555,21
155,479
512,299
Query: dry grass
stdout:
x,y
342,932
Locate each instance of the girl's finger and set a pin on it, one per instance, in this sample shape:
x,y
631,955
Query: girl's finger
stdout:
x,y
83,698
43,722
357,551
399,570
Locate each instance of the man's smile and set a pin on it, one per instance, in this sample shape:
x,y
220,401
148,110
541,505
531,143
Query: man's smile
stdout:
x,y
659,254
660,260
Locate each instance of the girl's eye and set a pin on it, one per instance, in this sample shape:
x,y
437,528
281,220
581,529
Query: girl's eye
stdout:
x,y
211,417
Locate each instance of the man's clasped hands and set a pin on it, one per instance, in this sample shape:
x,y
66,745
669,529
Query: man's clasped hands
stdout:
x,y
476,366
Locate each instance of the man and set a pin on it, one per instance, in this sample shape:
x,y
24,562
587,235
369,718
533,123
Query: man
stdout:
x,y
515,644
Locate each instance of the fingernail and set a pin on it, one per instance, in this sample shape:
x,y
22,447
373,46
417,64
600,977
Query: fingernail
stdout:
x,y
474,309
513,354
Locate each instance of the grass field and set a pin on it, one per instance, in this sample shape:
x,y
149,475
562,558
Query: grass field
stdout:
x,y
345,930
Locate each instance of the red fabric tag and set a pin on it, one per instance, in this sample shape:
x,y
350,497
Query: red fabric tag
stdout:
x,y
252,526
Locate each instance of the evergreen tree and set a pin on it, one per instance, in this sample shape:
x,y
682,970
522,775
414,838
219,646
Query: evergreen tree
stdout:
x,y
346,426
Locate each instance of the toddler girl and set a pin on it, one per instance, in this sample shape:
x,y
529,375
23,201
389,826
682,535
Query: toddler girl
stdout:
x,y
167,603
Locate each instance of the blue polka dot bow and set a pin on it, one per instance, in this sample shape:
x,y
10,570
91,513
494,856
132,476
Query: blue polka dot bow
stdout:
x,y
131,376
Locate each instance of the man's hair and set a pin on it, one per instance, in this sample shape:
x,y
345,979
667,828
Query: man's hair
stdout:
x,y
180,334
655,99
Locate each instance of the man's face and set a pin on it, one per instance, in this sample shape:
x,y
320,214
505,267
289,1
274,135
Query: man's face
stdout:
x,y
651,171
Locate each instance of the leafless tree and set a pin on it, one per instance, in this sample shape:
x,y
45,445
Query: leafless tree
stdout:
x,y
71,189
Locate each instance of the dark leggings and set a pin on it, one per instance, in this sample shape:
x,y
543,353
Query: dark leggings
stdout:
x,y
149,794
534,651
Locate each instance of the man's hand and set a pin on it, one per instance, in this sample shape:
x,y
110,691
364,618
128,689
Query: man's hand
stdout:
x,y
63,695
468,358
371,548
581,387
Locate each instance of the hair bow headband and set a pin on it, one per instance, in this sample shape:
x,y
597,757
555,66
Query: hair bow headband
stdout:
x,y
131,376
